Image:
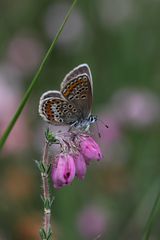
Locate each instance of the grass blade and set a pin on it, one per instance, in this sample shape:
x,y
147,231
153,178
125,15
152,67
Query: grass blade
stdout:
x,y
149,224
34,81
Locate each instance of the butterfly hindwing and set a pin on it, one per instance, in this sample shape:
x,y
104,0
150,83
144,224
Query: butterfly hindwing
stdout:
x,y
56,110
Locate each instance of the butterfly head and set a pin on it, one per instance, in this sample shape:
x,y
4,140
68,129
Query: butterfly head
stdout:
x,y
84,124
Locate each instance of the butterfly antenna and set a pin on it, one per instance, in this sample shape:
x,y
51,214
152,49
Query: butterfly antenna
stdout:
x,y
102,122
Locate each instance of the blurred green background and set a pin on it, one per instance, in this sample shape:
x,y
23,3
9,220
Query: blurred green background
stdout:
x,y
120,40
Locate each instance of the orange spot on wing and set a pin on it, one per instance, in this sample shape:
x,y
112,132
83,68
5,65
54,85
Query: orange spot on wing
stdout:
x,y
48,109
74,85
49,112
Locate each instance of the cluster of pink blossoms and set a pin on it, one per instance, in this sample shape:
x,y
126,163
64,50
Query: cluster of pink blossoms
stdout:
x,y
77,150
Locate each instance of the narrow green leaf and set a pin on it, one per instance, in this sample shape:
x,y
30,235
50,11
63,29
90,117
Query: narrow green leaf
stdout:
x,y
51,201
42,233
41,166
49,237
47,204
34,80
48,169
152,216
50,138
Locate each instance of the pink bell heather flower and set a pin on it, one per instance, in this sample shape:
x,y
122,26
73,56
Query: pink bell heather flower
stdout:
x,y
63,172
80,166
77,150
90,149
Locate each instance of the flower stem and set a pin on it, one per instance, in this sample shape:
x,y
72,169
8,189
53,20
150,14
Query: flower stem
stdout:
x,y
46,193
44,167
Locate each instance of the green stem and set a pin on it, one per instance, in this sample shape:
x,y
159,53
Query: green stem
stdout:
x,y
46,193
34,81
151,218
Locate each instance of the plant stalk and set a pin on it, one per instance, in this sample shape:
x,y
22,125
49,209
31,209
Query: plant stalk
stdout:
x,y
46,193
34,80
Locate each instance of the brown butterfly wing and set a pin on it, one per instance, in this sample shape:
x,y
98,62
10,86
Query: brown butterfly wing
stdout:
x,y
79,92
79,70
56,110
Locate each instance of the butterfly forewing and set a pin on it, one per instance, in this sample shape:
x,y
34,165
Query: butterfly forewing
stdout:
x,y
79,70
77,88
78,91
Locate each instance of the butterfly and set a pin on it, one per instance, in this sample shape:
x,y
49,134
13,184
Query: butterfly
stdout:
x,y
72,104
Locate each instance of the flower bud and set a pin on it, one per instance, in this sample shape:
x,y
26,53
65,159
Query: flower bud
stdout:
x,y
90,149
80,166
64,171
